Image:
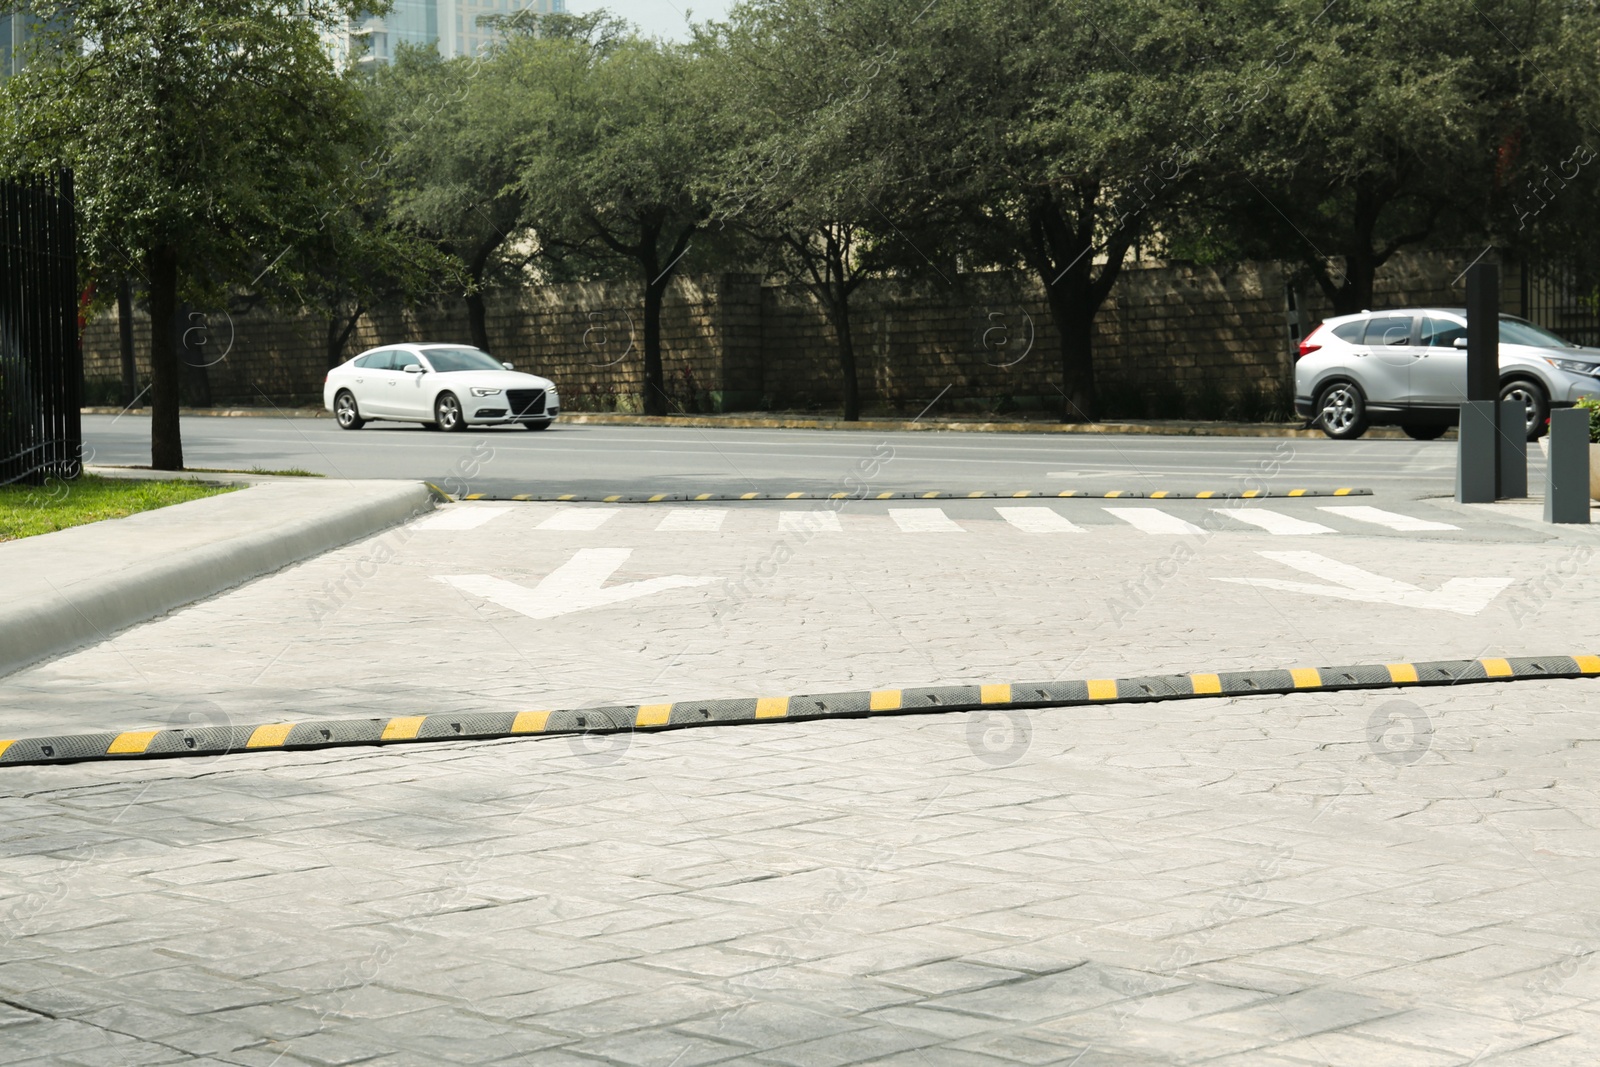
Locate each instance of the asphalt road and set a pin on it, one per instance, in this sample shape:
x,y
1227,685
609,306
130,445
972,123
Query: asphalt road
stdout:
x,y
599,459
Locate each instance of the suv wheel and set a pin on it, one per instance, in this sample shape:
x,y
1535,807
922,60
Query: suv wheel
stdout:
x,y
1535,405
1424,431
1342,411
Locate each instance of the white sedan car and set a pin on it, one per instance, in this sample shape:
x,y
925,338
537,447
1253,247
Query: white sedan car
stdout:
x,y
444,387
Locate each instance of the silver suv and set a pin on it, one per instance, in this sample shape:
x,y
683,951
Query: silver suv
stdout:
x,y
1409,367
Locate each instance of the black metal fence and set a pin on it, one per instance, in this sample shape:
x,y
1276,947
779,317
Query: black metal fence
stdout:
x,y
1562,300
41,364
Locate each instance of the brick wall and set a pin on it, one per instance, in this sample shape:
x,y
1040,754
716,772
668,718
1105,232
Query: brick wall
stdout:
x,y
1173,340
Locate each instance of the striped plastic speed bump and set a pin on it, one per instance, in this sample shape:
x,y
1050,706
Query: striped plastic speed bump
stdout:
x,y
413,729
914,494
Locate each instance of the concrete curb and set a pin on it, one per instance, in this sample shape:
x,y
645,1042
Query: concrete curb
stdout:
x,y
917,494
1005,696
1162,428
38,627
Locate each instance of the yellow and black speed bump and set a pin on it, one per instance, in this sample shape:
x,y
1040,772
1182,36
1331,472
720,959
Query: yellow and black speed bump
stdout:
x,y
917,494
335,733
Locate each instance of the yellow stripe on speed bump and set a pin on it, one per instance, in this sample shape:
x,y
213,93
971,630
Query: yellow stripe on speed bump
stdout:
x,y
1587,664
402,728
612,499
885,699
703,496
1113,493
1206,683
995,694
885,496
653,715
1297,492
772,707
1305,677
131,744
272,735
748,496
1160,494
1102,688
657,498
1341,492
1401,672
1207,495
5,745
1496,668
794,496
530,722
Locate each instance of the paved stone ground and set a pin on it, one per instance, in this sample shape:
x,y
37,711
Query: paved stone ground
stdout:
x,y
370,630
1352,879
1381,877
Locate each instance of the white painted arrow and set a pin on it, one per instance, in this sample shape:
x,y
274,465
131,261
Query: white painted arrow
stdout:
x,y
577,585
1464,596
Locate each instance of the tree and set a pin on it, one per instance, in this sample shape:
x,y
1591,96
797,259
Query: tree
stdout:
x,y
801,172
453,128
203,138
1396,124
618,166
1052,132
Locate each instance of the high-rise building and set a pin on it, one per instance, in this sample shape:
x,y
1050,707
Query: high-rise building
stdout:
x,y
17,29
456,27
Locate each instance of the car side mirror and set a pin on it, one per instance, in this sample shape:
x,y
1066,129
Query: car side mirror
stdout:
x,y
508,366
414,368
1459,342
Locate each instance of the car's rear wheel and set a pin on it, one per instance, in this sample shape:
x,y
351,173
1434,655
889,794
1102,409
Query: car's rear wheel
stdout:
x,y
1424,431
447,413
1535,405
345,410
1342,411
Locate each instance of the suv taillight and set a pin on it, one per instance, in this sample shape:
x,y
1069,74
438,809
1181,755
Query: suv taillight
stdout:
x,y
1309,345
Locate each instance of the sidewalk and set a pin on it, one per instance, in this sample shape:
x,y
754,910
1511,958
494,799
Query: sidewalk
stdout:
x,y
763,421
78,586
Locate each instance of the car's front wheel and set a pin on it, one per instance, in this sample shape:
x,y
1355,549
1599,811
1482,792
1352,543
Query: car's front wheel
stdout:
x,y
537,425
345,410
447,413
1424,431
1342,411
1535,405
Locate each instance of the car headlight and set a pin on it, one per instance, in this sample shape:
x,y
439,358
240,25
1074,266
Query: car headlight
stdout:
x,y
478,390
1573,366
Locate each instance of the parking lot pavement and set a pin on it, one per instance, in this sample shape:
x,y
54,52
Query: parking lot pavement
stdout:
x,y
503,607
1354,878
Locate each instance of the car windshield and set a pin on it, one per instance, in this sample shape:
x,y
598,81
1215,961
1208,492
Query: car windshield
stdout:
x,y
1522,332
445,360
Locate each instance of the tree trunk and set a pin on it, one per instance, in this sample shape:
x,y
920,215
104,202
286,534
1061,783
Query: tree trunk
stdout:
x,y
166,440
340,327
130,372
192,337
655,392
839,318
1355,292
476,321
1073,307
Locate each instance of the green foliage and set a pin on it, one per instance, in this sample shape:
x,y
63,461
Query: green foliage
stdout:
x,y
1591,404
26,511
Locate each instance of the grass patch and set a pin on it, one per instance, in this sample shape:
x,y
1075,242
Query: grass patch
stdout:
x,y
287,472
26,510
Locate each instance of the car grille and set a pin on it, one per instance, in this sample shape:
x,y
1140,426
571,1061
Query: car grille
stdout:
x,y
526,401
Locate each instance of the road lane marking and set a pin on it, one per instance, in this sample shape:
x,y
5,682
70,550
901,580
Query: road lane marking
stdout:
x,y
1463,596
923,520
697,520
1275,522
457,517
1379,517
1154,521
577,585
578,519
1039,520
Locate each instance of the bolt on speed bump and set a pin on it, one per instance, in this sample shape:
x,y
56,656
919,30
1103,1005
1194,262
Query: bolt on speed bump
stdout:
x,y
1005,696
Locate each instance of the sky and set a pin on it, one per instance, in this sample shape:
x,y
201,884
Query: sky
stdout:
x,y
663,18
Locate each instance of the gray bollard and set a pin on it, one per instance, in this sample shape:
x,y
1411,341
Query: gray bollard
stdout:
x,y
1566,478
1475,452
1513,450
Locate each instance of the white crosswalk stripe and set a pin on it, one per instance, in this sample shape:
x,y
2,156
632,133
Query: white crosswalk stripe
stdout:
x,y
923,520
457,517
578,519
698,520
1392,519
809,521
1154,521
1274,522
1038,520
